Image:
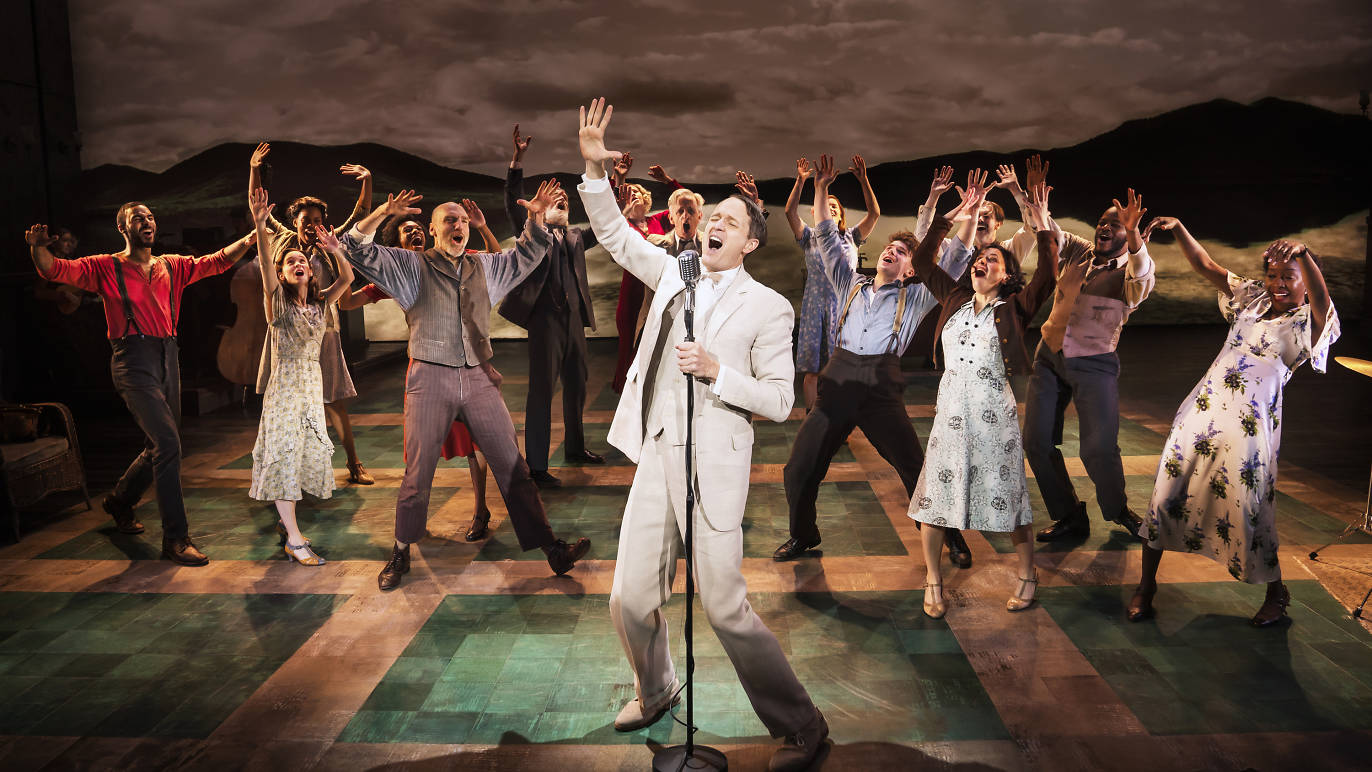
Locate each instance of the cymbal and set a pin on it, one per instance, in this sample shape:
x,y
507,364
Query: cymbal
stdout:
x,y
1356,365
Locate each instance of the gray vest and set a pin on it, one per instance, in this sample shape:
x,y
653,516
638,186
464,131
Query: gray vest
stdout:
x,y
450,320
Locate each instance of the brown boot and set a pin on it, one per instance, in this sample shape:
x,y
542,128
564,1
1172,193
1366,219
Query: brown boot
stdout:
x,y
1273,609
358,476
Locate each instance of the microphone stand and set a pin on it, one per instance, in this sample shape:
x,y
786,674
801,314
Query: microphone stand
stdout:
x,y
690,756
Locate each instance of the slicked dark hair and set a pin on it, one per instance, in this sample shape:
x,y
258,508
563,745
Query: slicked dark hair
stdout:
x,y
757,219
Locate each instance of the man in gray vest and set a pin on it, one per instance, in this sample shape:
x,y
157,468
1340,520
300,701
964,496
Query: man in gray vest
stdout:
x,y
447,296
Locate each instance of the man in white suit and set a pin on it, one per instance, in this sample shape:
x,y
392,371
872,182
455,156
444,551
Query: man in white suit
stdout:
x,y
743,366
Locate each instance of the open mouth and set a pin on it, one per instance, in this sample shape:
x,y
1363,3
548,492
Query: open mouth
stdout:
x,y
981,227
980,273
146,233
714,243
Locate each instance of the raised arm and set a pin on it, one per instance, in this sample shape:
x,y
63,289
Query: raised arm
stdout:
x,y
976,186
259,157
364,194
1130,217
793,200
1029,299
393,269
869,198
343,284
506,269
1320,303
830,239
1191,249
514,181
658,173
261,207
478,221
38,239
942,183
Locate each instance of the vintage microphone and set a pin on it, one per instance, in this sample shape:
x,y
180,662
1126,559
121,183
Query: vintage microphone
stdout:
x,y
690,756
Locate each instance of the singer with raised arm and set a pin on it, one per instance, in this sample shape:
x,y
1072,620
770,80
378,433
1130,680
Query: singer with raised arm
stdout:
x,y
741,361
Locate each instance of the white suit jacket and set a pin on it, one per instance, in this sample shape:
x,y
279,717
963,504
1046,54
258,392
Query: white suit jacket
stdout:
x,y
748,331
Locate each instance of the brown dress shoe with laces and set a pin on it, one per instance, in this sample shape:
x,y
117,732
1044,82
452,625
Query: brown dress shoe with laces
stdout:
x,y
801,748
124,519
183,551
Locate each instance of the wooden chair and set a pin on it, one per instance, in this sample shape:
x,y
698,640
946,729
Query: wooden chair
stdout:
x,y
43,456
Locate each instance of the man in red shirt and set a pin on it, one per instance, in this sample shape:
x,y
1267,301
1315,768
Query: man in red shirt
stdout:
x,y
142,294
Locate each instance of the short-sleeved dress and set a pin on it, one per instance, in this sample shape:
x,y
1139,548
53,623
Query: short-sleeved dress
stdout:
x,y
333,366
1217,480
819,306
973,475
293,452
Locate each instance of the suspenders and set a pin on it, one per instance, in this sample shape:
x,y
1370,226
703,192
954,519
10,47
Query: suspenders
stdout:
x,y
130,325
895,326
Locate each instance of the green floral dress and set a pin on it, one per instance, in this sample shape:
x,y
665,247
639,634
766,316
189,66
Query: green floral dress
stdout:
x,y
293,451
1217,480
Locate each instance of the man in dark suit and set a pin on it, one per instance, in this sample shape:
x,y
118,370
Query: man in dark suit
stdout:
x,y
554,305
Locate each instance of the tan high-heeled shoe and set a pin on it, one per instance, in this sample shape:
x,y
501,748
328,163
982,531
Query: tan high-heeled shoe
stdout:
x,y
1019,603
310,559
936,609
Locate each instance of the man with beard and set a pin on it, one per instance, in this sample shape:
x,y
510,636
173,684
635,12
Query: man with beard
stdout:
x,y
447,296
1100,284
554,305
142,296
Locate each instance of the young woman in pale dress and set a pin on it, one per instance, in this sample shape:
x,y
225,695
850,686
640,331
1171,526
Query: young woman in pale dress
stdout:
x,y
1216,486
293,453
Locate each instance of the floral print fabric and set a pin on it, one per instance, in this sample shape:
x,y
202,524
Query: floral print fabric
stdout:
x,y
293,452
819,305
1217,479
973,475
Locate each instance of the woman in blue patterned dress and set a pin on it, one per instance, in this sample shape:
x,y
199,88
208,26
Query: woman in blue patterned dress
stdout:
x,y
293,453
1216,486
818,305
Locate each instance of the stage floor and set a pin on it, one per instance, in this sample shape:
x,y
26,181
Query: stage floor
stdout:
x,y
110,658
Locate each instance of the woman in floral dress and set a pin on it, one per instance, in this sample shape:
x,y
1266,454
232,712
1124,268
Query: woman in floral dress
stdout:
x,y
816,335
293,452
973,475
1216,486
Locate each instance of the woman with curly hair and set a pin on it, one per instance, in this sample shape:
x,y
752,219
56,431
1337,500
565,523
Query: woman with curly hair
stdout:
x,y
1216,486
973,475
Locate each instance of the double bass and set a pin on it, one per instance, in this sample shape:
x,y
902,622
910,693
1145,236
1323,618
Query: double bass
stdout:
x,y
241,347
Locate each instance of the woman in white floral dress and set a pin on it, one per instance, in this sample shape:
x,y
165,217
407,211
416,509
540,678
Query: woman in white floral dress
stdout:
x,y
973,475
293,452
1216,486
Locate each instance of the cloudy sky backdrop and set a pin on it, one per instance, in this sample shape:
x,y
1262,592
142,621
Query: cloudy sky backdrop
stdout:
x,y
702,87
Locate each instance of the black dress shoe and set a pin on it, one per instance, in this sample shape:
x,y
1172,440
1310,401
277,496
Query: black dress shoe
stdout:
x,y
544,480
124,519
562,556
1129,522
794,548
958,551
396,567
585,457
183,552
1077,526
478,529
1141,605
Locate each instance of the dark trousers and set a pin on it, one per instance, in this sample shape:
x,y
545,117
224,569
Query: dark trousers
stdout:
x,y
1092,382
147,375
557,347
435,395
860,391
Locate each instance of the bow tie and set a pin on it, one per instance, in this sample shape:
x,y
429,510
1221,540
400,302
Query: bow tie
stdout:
x,y
713,276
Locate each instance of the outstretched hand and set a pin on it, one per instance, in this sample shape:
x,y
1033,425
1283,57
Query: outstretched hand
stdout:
x,y
803,170
1159,223
259,156
474,213
825,171
1133,213
972,197
1037,208
1035,171
943,182
521,144
259,203
1008,178
542,201
402,203
623,165
591,135
658,173
747,186
859,167
356,171
327,239
38,236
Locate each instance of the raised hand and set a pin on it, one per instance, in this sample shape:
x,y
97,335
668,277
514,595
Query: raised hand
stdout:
x,y
260,205
326,238
547,193
37,236
972,197
859,167
1008,179
660,174
474,213
402,203
521,144
803,169
259,156
943,182
1035,171
356,171
623,165
1037,208
825,171
1159,223
1283,250
1130,215
591,134
747,185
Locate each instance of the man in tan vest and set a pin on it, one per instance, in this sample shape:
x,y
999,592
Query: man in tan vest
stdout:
x,y
447,296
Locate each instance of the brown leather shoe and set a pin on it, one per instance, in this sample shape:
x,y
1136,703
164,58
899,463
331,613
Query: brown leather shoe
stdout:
x,y
478,530
800,749
183,552
124,519
396,567
357,475
562,556
1273,609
